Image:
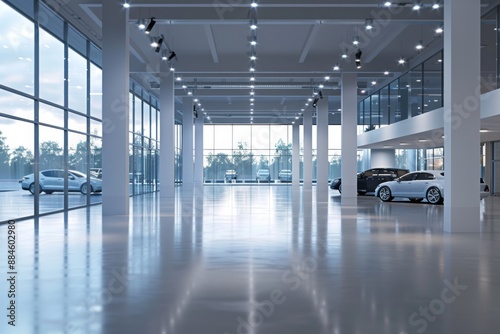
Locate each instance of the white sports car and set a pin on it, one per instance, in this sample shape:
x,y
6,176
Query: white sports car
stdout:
x,y
416,186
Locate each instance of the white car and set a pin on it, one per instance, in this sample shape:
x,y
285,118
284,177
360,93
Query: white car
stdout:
x,y
417,186
52,180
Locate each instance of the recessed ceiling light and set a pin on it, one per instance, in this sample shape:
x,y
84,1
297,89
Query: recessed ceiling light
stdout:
x,y
310,100
184,86
252,93
190,93
327,77
440,60
252,79
386,73
297,117
419,46
321,86
253,4
126,5
344,55
252,99
172,68
363,91
418,80
374,83
435,6
253,26
336,68
253,58
403,144
252,69
252,86
355,40
302,109
387,4
483,130
439,30
195,100
416,7
401,61
369,24
178,79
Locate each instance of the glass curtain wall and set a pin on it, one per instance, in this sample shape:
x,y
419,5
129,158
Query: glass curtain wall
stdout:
x,y
143,143
50,116
246,149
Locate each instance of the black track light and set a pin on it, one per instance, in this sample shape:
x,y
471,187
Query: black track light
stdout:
x,y
172,56
320,94
160,41
315,102
358,58
150,26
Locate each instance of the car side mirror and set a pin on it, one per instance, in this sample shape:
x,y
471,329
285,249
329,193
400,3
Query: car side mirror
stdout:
x,y
398,180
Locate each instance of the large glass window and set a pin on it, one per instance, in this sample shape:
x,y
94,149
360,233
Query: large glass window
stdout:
x,y
16,105
415,91
16,163
95,91
77,83
17,51
433,83
51,68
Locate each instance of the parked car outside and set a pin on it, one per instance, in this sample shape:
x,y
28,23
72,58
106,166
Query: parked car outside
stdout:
x,y
418,186
52,180
230,175
285,175
263,175
371,178
96,172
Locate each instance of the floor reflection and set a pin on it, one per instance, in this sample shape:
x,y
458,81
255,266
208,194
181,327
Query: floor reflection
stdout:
x,y
258,260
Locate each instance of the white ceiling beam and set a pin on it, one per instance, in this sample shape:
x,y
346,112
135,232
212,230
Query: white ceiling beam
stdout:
x,y
311,36
211,43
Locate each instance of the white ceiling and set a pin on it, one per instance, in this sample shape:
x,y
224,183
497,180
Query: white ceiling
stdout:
x,y
298,44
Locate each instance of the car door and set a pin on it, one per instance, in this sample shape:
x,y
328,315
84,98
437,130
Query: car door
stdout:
x,y
417,187
58,180
46,179
73,182
374,180
363,179
401,187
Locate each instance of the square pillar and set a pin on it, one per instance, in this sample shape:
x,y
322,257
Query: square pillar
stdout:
x,y
307,177
296,155
322,149
198,154
115,110
167,134
187,142
349,122
462,54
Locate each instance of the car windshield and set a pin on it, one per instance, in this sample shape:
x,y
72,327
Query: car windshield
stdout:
x,y
78,174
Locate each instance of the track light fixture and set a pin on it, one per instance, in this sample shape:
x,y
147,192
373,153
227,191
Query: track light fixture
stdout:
x,y
171,56
336,67
358,58
164,55
150,26
369,24
355,40
315,102
141,24
160,42
154,42
419,46
320,93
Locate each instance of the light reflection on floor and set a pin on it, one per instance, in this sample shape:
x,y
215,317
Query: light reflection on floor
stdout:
x,y
257,260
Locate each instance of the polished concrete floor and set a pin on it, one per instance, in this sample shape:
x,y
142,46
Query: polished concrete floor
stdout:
x,y
255,260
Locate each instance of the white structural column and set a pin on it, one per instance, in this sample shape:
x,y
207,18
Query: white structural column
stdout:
x,y
322,142
461,114
187,142
198,154
383,158
167,134
115,110
349,120
307,177
296,155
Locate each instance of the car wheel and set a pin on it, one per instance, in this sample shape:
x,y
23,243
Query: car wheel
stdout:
x,y
85,188
433,196
416,200
340,188
32,189
385,194
48,192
